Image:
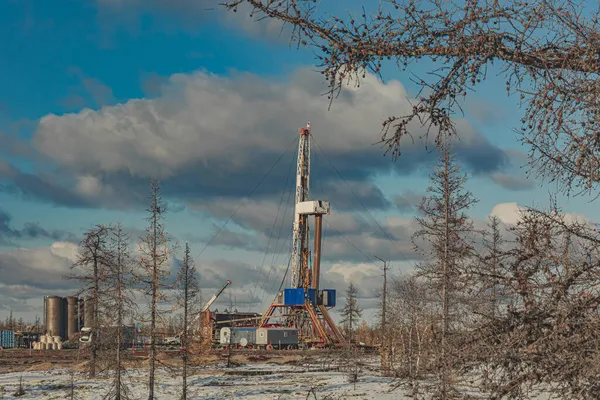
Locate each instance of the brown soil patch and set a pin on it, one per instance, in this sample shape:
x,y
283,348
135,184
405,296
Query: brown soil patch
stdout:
x,y
81,367
258,358
41,367
204,359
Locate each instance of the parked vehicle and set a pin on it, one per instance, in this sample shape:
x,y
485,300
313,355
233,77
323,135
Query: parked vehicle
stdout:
x,y
107,335
173,341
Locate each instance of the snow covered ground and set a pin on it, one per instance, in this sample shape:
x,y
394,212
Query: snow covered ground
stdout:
x,y
248,380
211,382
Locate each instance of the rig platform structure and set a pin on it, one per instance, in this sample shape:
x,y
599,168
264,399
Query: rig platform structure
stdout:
x,y
304,305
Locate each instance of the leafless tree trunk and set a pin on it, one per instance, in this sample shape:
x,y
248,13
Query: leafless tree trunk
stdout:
x,y
119,294
385,342
445,274
120,301
188,296
155,253
91,269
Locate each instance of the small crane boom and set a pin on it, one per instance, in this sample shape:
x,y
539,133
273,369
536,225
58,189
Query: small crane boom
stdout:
x,y
214,298
207,305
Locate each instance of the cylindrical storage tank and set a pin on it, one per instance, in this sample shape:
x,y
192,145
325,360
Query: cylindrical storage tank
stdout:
x,y
88,309
45,315
72,311
54,315
80,315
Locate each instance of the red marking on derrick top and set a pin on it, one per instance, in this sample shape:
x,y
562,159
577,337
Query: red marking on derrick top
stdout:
x,y
305,131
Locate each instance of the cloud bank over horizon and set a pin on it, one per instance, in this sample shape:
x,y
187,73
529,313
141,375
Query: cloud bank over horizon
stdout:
x,y
208,136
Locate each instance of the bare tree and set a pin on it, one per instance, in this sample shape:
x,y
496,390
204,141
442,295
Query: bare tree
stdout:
x,y
544,49
548,331
444,240
187,297
410,316
91,269
120,301
413,313
155,251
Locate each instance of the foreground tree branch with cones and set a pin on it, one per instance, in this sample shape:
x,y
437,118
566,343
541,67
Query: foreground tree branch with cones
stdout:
x,y
546,51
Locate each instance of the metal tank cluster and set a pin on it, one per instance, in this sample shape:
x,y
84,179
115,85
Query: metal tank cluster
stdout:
x,y
65,316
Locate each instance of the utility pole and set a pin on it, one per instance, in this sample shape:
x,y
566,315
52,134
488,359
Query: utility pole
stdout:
x,y
384,340
230,331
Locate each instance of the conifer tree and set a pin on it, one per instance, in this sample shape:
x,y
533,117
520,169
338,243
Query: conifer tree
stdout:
x,y
351,312
492,242
445,243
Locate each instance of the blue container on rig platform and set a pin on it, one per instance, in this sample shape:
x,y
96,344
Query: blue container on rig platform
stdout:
x,y
7,339
329,297
293,296
311,294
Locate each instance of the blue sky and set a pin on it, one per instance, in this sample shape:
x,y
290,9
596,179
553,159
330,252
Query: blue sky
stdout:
x,y
99,96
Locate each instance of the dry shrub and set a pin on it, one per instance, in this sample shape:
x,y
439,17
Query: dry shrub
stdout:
x,y
163,356
195,348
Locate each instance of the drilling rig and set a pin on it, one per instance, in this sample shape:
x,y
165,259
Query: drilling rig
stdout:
x,y
303,305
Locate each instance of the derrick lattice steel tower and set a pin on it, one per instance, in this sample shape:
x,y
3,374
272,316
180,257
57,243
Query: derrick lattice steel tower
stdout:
x,y
300,250
303,305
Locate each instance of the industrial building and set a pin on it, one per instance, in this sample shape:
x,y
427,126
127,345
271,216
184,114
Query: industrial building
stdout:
x,y
211,323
